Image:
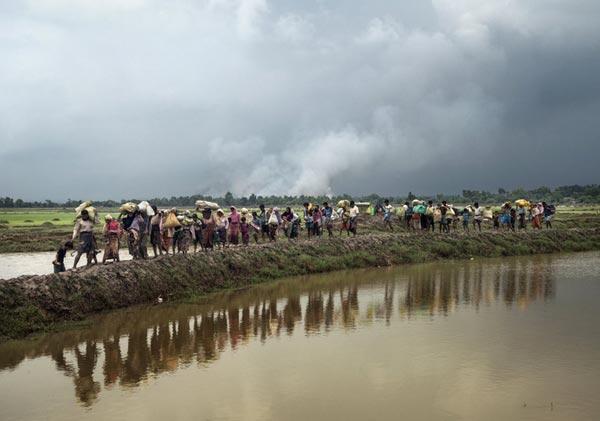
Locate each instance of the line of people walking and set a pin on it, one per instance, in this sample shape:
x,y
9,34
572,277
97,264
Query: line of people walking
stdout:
x,y
421,216
209,227
171,231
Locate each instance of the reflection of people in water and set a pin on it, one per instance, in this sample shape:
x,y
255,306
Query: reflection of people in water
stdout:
x,y
329,308
314,312
86,388
161,342
112,360
138,357
292,313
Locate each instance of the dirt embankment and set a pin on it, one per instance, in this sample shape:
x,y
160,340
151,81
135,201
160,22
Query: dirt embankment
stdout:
x,y
35,303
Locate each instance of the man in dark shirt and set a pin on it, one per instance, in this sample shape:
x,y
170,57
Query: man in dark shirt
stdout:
x,y
262,216
59,260
327,218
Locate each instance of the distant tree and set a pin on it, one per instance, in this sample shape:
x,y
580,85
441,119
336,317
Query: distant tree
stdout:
x,y
8,202
228,199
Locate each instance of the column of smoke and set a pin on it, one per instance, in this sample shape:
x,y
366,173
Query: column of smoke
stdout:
x,y
308,165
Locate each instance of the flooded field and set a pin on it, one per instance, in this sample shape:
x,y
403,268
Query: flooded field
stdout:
x,y
40,263
513,338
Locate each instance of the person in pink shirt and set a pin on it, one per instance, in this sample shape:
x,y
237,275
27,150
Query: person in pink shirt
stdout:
x,y
234,226
317,218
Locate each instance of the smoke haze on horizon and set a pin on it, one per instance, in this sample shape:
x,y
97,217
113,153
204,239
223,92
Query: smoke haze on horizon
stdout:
x,y
151,98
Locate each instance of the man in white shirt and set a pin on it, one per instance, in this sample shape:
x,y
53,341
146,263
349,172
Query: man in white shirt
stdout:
x,y
353,217
84,229
387,215
477,215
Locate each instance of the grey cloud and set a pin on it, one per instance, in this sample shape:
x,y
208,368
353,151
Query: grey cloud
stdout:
x,y
150,98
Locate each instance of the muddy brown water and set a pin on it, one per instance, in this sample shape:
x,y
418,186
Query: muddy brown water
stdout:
x,y
513,338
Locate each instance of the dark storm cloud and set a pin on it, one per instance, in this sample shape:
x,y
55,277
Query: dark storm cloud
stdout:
x,y
148,97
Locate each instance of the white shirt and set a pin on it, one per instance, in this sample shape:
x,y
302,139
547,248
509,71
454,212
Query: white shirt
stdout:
x,y
82,226
354,212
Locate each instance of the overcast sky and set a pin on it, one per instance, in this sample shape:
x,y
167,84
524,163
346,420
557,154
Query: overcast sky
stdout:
x,y
145,98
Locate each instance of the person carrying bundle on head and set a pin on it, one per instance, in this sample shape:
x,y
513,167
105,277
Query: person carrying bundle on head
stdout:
x,y
187,232
112,232
274,223
84,229
444,225
522,205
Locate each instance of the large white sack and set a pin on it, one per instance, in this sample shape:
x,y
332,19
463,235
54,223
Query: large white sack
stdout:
x,y
203,204
81,207
145,207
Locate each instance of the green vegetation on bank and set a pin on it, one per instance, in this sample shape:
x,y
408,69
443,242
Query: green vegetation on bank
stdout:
x,y
37,303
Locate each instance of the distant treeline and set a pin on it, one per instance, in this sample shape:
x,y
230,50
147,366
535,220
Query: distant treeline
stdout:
x,y
574,194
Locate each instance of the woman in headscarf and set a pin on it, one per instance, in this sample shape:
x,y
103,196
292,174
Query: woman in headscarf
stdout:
x,y
208,229
536,216
112,231
274,222
234,226
222,225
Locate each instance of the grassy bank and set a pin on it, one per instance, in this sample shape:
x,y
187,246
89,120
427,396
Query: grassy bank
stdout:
x,y
30,304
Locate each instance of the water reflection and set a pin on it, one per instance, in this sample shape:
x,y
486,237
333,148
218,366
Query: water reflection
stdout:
x,y
127,347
